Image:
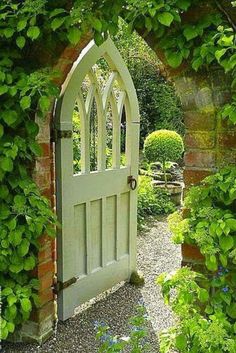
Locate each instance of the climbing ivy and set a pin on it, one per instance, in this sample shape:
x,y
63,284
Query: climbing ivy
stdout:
x,y
27,89
205,305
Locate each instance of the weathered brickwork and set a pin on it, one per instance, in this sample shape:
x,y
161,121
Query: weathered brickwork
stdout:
x,y
209,141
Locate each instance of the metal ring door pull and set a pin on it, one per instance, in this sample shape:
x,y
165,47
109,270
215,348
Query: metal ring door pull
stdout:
x,y
132,182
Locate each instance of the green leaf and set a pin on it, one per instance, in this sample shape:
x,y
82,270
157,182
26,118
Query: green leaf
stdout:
x,y
35,148
148,23
231,310
226,297
44,103
2,76
15,237
211,263
26,304
33,32
8,32
25,102
220,53
1,130
20,200
3,89
16,268
231,223
12,91
174,59
181,342
74,35
183,4
223,260
226,243
98,38
6,291
3,333
152,12
11,327
11,299
190,32
32,128
165,18
57,23
21,25
57,12
6,164
23,248
29,263
11,225
4,192
9,116
97,24
203,295
20,42
4,211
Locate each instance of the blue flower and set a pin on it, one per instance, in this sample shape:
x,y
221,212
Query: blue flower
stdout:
x,y
137,329
105,338
141,302
225,289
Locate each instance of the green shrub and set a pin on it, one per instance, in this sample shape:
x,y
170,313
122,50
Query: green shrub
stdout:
x,y
152,201
205,305
163,146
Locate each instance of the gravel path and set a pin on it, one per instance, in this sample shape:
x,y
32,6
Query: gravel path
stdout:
x,y
156,254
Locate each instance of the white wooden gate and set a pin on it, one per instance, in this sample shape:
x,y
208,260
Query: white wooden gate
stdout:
x,y
96,206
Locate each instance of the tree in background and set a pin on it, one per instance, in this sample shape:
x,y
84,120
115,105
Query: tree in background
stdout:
x,y
160,107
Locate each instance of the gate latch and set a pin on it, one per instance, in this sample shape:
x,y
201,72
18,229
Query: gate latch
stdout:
x,y
59,286
132,182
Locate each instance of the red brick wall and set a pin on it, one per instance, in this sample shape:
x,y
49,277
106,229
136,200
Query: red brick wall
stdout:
x,y
209,141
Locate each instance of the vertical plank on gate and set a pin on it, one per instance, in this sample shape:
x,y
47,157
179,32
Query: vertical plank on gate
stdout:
x,y
118,217
89,250
104,232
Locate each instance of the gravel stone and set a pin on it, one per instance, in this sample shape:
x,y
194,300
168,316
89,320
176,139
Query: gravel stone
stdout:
x,y
156,254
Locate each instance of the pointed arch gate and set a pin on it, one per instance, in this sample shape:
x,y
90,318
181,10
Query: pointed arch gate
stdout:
x,y
97,202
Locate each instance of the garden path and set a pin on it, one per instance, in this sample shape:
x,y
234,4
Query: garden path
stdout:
x,y
156,254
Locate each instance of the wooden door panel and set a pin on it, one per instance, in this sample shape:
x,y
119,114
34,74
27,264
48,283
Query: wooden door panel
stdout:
x,y
95,205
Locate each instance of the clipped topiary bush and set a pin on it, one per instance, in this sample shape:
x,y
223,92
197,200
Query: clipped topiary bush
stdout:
x,y
163,146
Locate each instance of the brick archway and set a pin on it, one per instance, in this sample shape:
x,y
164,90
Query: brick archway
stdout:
x,y
208,141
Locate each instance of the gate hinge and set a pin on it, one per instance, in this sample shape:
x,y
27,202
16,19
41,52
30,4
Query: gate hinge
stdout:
x,y
61,134
59,286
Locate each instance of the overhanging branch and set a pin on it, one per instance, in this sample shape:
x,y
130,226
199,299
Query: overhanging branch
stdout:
x,y
226,14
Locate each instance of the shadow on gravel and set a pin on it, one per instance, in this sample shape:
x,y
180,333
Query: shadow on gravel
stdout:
x,y
78,334
156,254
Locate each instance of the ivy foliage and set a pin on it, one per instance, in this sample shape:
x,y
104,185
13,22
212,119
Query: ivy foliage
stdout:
x,y
28,31
205,305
